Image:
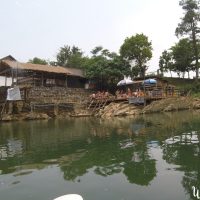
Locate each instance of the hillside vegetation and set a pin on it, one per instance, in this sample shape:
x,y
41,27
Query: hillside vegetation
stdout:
x,y
190,86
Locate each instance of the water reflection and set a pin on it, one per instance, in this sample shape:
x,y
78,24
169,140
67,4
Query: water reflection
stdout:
x,y
111,156
107,147
184,151
12,148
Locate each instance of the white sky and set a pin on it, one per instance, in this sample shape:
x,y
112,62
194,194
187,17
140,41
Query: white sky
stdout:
x,y
38,28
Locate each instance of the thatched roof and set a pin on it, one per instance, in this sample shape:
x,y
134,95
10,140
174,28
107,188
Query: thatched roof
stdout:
x,y
9,62
76,72
9,57
35,67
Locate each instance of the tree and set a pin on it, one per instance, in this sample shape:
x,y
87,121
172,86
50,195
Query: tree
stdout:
x,y
107,68
137,49
189,26
70,57
165,62
182,56
96,50
63,55
39,61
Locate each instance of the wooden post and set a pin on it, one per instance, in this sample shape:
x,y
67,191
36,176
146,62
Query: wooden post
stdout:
x,y
145,103
25,94
42,79
5,80
12,76
66,82
17,76
33,80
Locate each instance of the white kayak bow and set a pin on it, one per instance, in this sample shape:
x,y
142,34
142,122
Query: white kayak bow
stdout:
x,y
69,197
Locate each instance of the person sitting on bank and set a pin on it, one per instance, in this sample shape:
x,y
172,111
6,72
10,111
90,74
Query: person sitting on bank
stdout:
x,y
117,93
141,93
98,95
136,93
120,94
129,93
93,96
106,94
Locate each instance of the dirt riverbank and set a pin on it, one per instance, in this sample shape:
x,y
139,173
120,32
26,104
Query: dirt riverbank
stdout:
x,y
164,105
115,109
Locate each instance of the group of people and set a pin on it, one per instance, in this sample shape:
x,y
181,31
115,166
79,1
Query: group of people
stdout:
x,y
121,94
126,93
100,95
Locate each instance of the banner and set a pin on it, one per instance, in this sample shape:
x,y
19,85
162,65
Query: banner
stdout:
x,y
13,94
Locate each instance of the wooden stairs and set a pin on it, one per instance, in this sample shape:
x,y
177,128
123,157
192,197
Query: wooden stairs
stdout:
x,y
96,104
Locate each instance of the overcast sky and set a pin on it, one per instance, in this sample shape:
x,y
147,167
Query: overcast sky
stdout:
x,y
38,28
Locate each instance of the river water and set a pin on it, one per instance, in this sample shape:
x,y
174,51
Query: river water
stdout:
x,y
152,157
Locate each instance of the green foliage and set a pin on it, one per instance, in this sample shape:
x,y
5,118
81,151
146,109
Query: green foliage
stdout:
x,y
189,23
178,59
70,57
37,60
182,56
165,62
189,26
196,87
197,95
137,49
106,67
192,89
96,50
188,86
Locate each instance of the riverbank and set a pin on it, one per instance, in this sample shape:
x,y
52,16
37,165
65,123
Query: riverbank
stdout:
x,y
164,105
46,112
113,110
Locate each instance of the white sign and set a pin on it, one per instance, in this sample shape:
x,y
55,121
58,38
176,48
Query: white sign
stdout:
x,y
13,94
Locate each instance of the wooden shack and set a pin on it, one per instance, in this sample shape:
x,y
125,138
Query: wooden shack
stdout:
x,y
31,75
42,88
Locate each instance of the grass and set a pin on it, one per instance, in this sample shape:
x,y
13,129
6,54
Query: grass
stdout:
x,y
197,95
181,83
186,85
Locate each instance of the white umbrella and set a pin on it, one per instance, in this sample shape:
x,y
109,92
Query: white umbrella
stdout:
x,y
127,81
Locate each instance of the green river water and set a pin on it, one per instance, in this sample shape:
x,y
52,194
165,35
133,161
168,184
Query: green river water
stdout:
x,y
151,157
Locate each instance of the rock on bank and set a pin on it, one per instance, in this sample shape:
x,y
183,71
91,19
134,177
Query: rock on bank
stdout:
x,y
119,109
164,105
172,104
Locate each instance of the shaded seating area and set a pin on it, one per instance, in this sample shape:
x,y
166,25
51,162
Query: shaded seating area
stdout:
x,y
135,92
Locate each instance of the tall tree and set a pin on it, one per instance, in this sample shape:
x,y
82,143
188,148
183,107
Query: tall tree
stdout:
x,y
182,56
63,55
70,57
189,26
137,49
39,61
165,62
